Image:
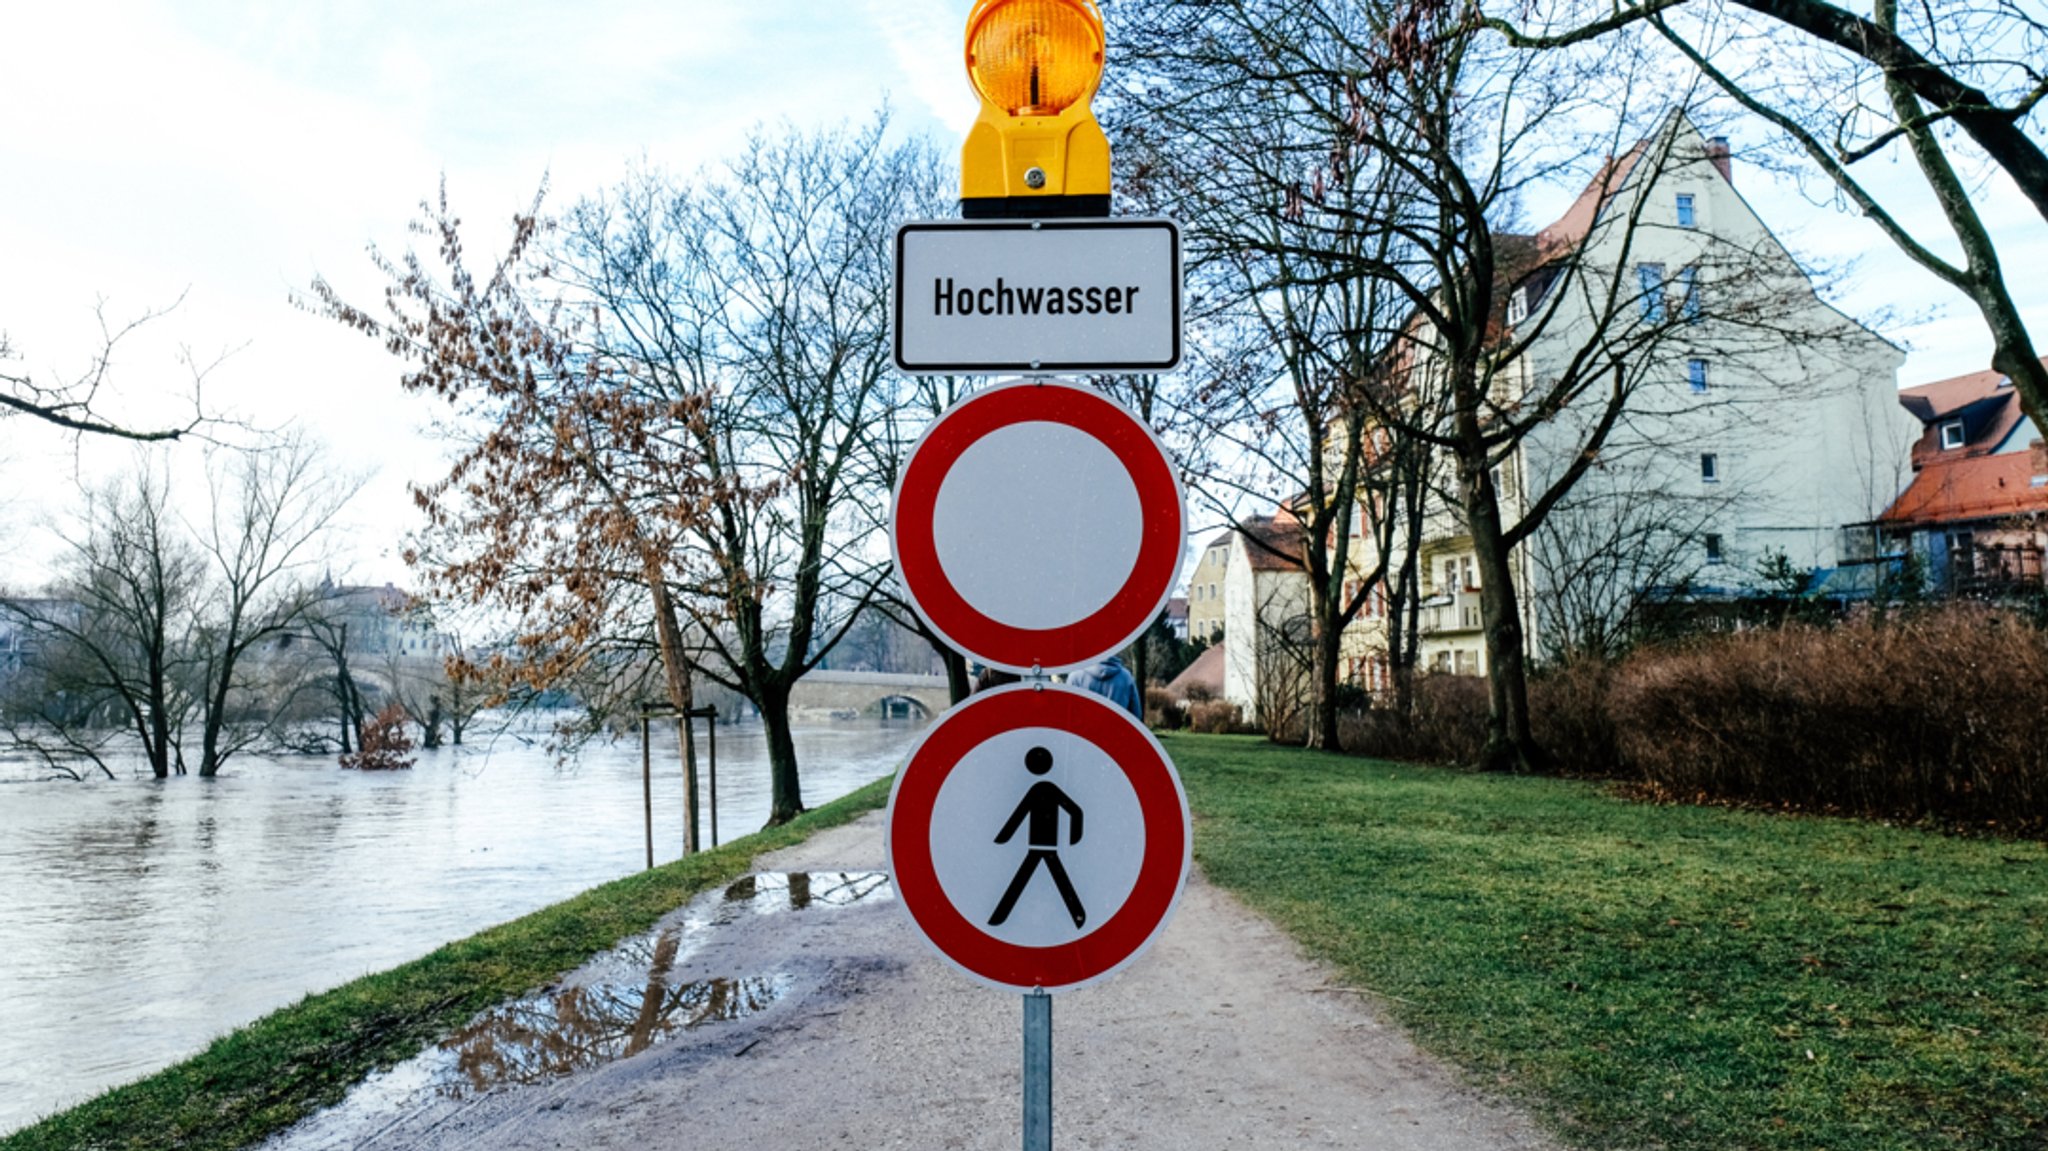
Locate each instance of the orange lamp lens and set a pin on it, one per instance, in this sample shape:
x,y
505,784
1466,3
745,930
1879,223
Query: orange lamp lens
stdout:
x,y
1035,57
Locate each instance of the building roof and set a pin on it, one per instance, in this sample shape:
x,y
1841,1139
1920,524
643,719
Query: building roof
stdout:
x,y
1272,543
1966,488
1177,607
1987,404
1206,671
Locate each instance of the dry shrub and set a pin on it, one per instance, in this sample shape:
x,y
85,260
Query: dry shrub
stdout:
x,y
1936,714
1568,707
1200,693
1215,717
1449,724
1164,711
382,744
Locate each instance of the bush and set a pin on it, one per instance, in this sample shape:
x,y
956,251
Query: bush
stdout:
x,y
1934,714
1164,711
1449,724
1568,707
382,743
1215,717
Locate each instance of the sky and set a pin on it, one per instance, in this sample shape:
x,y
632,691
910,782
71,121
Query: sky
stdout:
x,y
221,154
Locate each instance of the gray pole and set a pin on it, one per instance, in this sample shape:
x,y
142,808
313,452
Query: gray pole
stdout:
x,y
1038,1072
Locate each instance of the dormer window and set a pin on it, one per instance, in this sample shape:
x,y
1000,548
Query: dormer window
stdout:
x,y
1518,305
1951,435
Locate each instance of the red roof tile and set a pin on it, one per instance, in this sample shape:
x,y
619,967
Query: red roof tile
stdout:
x,y
1970,488
1957,397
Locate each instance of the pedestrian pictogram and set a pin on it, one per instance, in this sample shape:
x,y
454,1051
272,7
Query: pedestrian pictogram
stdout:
x,y
1038,526
1042,806
1038,837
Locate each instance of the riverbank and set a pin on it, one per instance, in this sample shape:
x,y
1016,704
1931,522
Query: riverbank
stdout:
x,y
1657,976
263,1077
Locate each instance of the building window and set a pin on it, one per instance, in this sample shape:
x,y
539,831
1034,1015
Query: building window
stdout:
x,y
1685,217
1710,468
1713,547
1696,376
1650,283
1689,294
1471,573
1951,435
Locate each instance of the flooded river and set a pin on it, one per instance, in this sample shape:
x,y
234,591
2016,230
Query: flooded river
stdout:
x,y
140,919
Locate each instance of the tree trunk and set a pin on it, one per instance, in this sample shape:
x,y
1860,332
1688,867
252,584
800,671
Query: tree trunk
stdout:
x,y
430,738
1322,725
1510,744
959,685
676,676
786,797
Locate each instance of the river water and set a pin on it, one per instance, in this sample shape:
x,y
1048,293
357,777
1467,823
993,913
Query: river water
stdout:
x,y
140,919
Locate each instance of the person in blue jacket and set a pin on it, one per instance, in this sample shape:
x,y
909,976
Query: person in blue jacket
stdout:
x,y
1109,679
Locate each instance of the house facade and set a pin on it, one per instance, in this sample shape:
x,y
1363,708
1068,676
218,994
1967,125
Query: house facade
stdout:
x,y
1976,512
1205,587
1265,614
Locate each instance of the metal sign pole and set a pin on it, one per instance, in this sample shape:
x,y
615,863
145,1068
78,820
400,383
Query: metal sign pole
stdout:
x,y
1038,1071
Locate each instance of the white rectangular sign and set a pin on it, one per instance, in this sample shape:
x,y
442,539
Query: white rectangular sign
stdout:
x,y
1075,295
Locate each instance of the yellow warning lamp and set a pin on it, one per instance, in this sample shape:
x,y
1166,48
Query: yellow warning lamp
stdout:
x,y
1036,149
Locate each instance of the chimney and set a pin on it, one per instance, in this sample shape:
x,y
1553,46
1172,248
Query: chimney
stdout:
x,y
2039,453
1717,151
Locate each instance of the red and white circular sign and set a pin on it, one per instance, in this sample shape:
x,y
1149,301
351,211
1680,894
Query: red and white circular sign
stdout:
x,y
1038,524
1038,837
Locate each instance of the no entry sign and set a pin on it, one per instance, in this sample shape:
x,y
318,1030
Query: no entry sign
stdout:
x,y
1038,524
1038,836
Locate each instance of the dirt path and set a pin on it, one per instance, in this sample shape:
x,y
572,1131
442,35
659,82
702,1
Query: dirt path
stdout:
x,y
1221,1036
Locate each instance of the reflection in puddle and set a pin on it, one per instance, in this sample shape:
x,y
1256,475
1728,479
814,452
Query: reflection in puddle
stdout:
x,y
620,1004
547,1037
773,891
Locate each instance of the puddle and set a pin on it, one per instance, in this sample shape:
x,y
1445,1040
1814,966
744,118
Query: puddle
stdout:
x,y
621,1003
772,891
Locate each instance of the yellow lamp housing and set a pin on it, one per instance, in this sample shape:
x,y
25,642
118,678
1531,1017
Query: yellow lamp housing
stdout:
x,y
1036,149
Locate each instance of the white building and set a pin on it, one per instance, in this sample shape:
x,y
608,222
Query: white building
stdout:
x,y
1265,615
1761,422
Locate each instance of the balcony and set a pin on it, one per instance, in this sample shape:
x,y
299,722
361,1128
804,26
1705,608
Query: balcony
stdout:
x,y
1453,613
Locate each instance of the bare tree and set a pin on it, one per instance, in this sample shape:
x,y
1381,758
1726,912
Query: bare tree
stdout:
x,y
78,403
570,509
1561,339
115,644
271,514
764,288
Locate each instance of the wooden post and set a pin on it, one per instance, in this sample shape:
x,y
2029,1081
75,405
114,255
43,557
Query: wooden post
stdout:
x,y
686,729
647,785
711,737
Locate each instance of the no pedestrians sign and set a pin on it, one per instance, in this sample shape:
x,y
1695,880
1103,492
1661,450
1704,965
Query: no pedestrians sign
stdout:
x,y
1039,837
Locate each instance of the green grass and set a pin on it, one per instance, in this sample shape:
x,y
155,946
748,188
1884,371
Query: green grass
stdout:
x,y
266,1076
1657,977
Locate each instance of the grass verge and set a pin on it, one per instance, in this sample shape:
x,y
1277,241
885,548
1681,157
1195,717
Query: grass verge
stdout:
x,y
1669,977
266,1076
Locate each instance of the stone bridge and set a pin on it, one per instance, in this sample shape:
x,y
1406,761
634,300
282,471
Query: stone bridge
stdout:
x,y
869,694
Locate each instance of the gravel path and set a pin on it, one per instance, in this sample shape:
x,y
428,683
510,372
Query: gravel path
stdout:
x,y
1223,1035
